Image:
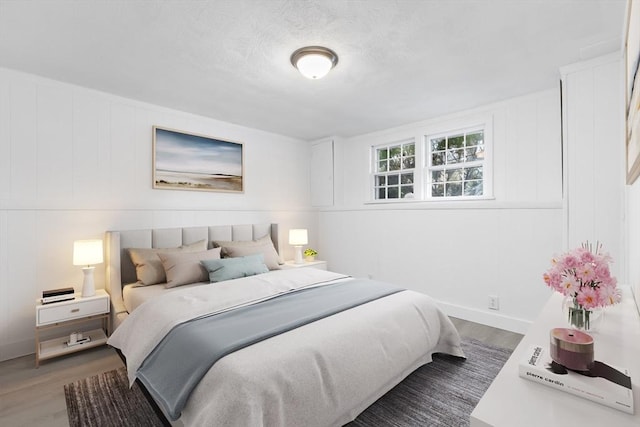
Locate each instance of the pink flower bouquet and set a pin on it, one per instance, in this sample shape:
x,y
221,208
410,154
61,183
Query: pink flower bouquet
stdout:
x,y
583,276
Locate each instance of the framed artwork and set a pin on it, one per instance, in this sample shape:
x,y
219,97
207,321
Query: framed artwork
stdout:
x,y
187,161
632,91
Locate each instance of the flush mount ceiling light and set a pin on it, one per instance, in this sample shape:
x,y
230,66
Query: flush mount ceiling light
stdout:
x,y
314,62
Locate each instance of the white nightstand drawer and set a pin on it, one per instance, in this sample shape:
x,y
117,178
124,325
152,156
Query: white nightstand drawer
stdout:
x,y
72,310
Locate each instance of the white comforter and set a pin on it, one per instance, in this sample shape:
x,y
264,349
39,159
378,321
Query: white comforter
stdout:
x,y
321,374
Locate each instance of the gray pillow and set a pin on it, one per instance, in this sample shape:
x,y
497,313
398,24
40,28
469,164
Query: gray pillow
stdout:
x,y
149,270
240,248
183,268
234,268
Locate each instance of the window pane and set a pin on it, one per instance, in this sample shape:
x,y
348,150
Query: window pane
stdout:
x,y
473,188
395,151
394,164
473,173
382,166
437,176
392,180
454,189
409,150
454,175
475,139
382,193
455,164
437,190
392,192
406,178
383,154
456,141
406,191
437,159
455,156
438,144
381,180
409,163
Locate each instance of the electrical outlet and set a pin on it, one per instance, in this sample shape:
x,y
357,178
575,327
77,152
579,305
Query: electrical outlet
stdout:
x,y
494,302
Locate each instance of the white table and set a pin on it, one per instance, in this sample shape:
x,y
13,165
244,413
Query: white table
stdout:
x,y
320,265
66,313
514,401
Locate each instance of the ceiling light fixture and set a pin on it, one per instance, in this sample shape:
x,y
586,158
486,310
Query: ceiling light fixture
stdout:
x,y
314,62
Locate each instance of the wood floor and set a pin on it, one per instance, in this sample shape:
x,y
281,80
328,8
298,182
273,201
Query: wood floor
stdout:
x,y
487,334
35,397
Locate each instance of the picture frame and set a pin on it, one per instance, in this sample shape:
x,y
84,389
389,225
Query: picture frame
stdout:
x,y
632,91
190,161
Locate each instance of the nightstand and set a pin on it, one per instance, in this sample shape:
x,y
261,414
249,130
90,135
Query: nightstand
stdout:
x,y
320,265
67,313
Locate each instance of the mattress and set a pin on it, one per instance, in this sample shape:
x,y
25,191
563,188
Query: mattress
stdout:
x,y
134,295
321,374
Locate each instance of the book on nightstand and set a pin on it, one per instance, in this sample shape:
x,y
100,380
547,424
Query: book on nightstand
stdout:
x,y
55,295
612,389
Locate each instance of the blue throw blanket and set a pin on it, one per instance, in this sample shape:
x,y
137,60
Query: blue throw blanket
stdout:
x,y
178,363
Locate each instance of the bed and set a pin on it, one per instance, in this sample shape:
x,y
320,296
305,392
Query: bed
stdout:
x,y
321,372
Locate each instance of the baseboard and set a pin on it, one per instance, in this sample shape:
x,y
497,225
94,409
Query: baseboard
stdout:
x,y
495,320
16,349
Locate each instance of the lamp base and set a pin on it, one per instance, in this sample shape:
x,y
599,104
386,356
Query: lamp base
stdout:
x,y
298,259
88,288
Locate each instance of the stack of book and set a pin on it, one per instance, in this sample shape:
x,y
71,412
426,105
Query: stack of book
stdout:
x,y
56,295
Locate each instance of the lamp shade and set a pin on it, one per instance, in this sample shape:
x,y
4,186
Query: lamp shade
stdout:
x,y
314,62
87,252
298,236
314,66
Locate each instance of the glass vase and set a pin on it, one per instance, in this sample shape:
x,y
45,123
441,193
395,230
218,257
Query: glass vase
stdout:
x,y
579,317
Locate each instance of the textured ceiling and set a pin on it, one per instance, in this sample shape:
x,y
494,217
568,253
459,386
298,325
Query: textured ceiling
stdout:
x,y
400,61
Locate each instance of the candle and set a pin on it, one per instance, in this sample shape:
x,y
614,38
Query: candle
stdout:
x,y
572,349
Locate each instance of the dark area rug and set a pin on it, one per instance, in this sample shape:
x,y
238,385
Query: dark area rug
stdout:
x,y
442,393
106,400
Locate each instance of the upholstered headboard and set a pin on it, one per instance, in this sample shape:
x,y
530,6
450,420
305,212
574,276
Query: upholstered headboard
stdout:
x,y
121,271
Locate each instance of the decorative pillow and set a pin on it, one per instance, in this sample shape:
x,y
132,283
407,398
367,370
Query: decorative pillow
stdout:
x,y
234,268
240,248
183,268
149,270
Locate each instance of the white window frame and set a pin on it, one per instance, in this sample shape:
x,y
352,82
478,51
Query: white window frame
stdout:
x,y
486,162
417,175
422,171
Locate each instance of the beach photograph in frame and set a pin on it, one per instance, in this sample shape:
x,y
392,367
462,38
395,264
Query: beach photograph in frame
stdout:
x,y
186,161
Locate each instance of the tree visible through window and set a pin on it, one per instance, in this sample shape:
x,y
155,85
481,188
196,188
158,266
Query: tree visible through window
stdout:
x,y
394,170
456,164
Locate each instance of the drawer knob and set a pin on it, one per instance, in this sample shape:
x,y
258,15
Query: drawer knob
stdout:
x,y
75,310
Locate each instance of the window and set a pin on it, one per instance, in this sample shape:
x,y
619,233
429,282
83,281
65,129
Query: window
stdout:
x,y
456,164
394,167
450,161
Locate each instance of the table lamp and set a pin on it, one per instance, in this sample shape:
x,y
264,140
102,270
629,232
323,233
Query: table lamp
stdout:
x,y
297,238
87,253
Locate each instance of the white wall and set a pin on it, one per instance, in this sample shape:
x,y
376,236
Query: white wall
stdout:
x,y
633,238
75,162
594,160
460,252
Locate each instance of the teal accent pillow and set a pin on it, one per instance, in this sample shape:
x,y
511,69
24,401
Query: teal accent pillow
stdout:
x,y
234,268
